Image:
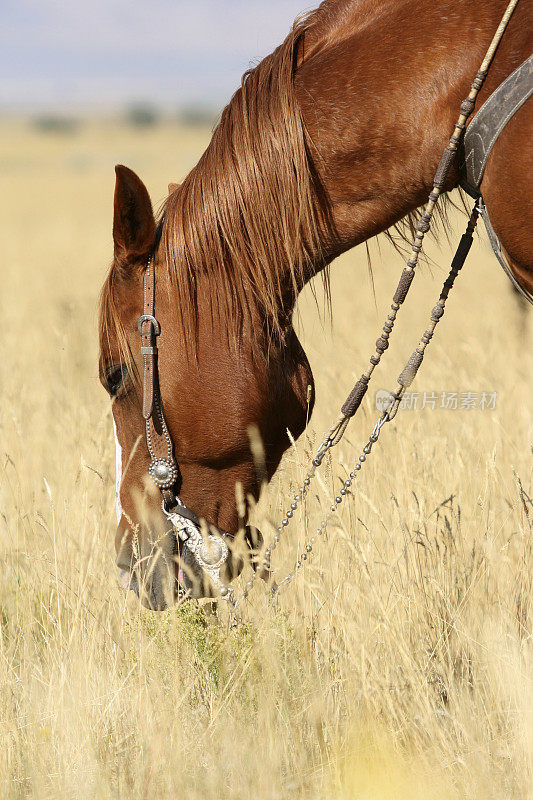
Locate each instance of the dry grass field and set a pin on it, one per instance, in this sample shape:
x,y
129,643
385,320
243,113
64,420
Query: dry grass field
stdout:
x,y
398,665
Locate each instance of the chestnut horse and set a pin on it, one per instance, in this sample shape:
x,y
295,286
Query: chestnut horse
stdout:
x,y
330,140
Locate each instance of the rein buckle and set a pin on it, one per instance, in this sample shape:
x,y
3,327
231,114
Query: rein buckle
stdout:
x,y
148,318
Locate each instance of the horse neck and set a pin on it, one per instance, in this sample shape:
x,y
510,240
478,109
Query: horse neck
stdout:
x,y
379,104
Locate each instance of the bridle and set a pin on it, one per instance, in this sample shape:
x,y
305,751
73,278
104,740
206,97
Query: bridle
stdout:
x,y
209,548
163,467
211,551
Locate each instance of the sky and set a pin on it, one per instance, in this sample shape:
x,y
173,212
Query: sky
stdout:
x,y
106,54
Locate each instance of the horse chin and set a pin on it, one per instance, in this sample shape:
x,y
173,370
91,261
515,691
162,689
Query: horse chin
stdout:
x,y
156,594
188,583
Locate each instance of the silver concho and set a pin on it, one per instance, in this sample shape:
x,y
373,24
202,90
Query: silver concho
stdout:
x,y
163,472
212,552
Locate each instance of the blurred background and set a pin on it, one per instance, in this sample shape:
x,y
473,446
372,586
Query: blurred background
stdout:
x,y
168,57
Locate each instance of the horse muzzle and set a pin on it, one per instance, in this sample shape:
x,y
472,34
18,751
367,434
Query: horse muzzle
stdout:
x,y
180,569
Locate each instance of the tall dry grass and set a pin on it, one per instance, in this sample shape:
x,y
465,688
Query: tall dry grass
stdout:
x,y
397,665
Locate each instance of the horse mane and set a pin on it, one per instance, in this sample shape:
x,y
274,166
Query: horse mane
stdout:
x,y
250,215
245,217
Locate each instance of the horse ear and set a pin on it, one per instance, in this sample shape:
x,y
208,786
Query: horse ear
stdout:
x,y
172,187
133,221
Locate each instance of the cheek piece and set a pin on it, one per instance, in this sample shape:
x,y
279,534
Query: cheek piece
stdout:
x,y
209,551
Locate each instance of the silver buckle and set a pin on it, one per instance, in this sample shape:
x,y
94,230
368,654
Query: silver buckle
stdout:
x,y
148,318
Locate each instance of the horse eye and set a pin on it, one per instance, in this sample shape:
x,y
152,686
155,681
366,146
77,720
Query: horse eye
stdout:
x,y
114,378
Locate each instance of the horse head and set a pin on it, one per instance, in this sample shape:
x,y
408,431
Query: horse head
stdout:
x,y
226,384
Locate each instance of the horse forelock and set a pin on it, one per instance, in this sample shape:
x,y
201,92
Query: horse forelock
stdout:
x,y
111,327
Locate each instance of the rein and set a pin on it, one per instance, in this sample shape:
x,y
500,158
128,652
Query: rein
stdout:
x,y
210,549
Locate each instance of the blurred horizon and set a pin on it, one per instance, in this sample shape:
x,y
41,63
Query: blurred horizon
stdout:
x,y
115,54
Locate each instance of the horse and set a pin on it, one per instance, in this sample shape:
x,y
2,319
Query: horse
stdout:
x,y
330,140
